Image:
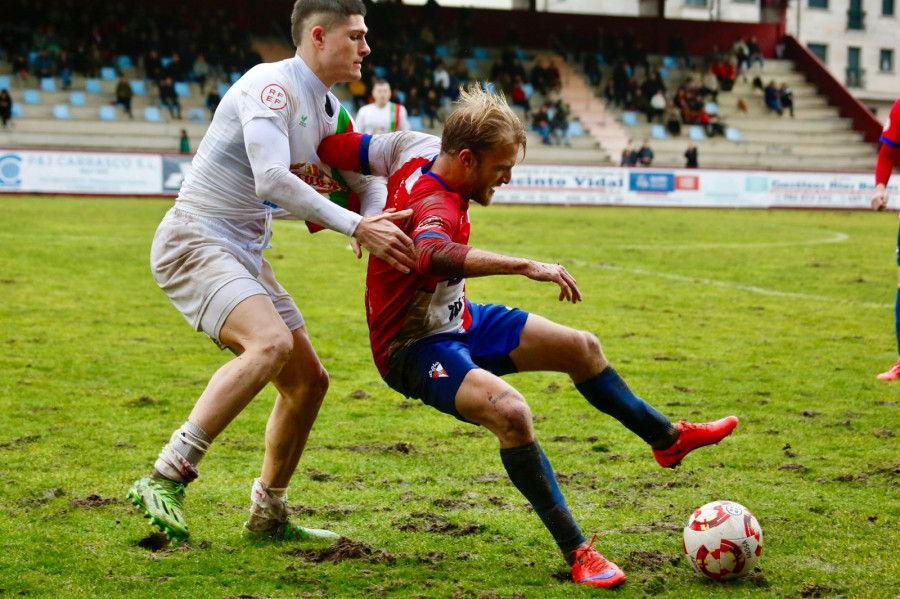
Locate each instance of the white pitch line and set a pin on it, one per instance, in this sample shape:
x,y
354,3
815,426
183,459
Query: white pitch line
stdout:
x,y
738,286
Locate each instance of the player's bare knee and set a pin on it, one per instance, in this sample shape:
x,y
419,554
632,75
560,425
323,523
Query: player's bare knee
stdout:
x,y
309,392
516,422
275,348
589,357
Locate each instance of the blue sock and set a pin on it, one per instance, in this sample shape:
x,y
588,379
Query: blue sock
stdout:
x,y
897,319
530,471
610,394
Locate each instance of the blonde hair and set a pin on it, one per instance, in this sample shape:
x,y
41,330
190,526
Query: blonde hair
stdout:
x,y
482,121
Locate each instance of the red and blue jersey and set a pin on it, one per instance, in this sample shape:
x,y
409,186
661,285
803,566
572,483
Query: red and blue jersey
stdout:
x,y
889,156
403,308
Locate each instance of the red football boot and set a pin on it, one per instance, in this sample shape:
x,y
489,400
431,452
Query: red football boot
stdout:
x,y
892,374
592,569
691,436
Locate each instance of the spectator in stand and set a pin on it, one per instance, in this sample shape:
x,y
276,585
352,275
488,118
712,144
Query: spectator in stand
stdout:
x,y
672,119
382,115
541,123
726,73
651,85
176,69
657,106
629,155
786,96
559,124
64,69
690,156
554,80
712,126
200,71
20,68
5,107
519,97
591,67
771,98
539,76
212,101
153,69
620,81
678,50
124,95
754,53
709,85
441,77
184,144
741,54
168,98
714,57
645,154
609,93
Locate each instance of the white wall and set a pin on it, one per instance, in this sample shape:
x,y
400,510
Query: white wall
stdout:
x,y
715,10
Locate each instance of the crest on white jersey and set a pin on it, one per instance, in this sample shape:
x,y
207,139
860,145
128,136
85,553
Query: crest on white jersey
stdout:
x,y
274,96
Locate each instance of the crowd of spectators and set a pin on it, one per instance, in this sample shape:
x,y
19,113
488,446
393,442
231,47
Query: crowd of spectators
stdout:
x,y
163,40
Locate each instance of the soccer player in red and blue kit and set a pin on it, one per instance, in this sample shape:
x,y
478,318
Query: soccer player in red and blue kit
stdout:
x,y
430,342
888,158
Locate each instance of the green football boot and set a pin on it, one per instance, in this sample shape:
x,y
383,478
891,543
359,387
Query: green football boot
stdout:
x,y
162,501
288,531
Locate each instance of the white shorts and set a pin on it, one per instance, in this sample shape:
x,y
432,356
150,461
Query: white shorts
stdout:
x,y
207,269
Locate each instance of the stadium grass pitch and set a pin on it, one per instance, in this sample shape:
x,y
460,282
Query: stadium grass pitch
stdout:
x,y
780,317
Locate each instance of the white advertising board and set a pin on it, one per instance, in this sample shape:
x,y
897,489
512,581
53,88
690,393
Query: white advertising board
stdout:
x,y
51,171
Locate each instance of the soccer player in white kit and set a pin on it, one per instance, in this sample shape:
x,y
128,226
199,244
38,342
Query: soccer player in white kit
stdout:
x,y
382,115
257,162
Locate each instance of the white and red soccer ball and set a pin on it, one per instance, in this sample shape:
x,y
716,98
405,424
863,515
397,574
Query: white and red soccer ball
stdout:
x,y
722,540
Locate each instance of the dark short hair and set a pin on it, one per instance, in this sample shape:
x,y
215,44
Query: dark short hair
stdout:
x,y
381,81
330,12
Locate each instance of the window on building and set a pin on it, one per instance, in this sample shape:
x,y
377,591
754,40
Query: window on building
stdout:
x,y
820,50
695,3
856,16
887,8
855,73
886,61
818,3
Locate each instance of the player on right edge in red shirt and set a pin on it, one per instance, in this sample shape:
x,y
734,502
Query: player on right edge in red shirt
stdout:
x,y
888,158
430,342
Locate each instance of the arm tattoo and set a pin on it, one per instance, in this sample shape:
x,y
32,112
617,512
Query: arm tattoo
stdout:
x,y
506,393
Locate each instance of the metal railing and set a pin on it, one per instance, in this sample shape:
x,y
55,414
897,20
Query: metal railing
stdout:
x,y
856,19
856,77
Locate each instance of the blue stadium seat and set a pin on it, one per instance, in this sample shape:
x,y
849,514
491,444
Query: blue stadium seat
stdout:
x,y
528,89
61,111
522,55
222,88
629,118
472,65
234,76
33,56
670,62
32,96
401,97
600,59
165,61
124,62
197,115
77,99
4,82
108,73
697,133
732,134
182,89
663,73
416,123
151,113
17,111
139,87
659,132
575,128
48,84
489,87
107,113
711,108
380,71
442,51
92,86
480,54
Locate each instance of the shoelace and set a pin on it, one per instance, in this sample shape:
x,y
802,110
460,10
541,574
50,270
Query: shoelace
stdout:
x,y
589,557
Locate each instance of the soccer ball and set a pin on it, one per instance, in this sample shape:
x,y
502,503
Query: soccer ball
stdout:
x,y
722,540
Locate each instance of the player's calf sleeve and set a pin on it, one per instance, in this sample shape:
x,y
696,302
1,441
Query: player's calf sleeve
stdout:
x,y
610,394
530,471
179,458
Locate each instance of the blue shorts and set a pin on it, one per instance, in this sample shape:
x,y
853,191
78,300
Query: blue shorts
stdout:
x,y
433,369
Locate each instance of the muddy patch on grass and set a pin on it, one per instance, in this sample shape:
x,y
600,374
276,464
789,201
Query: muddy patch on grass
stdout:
x,y
41,497
653,527
818,590
428,522
563,439
344,549
18,442
454,504
794,467
317,476
332,511
92,501
142,402
651,560
156,541
359,394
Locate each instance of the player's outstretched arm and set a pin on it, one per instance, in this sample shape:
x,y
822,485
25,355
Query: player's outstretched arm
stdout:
x,y
437,256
